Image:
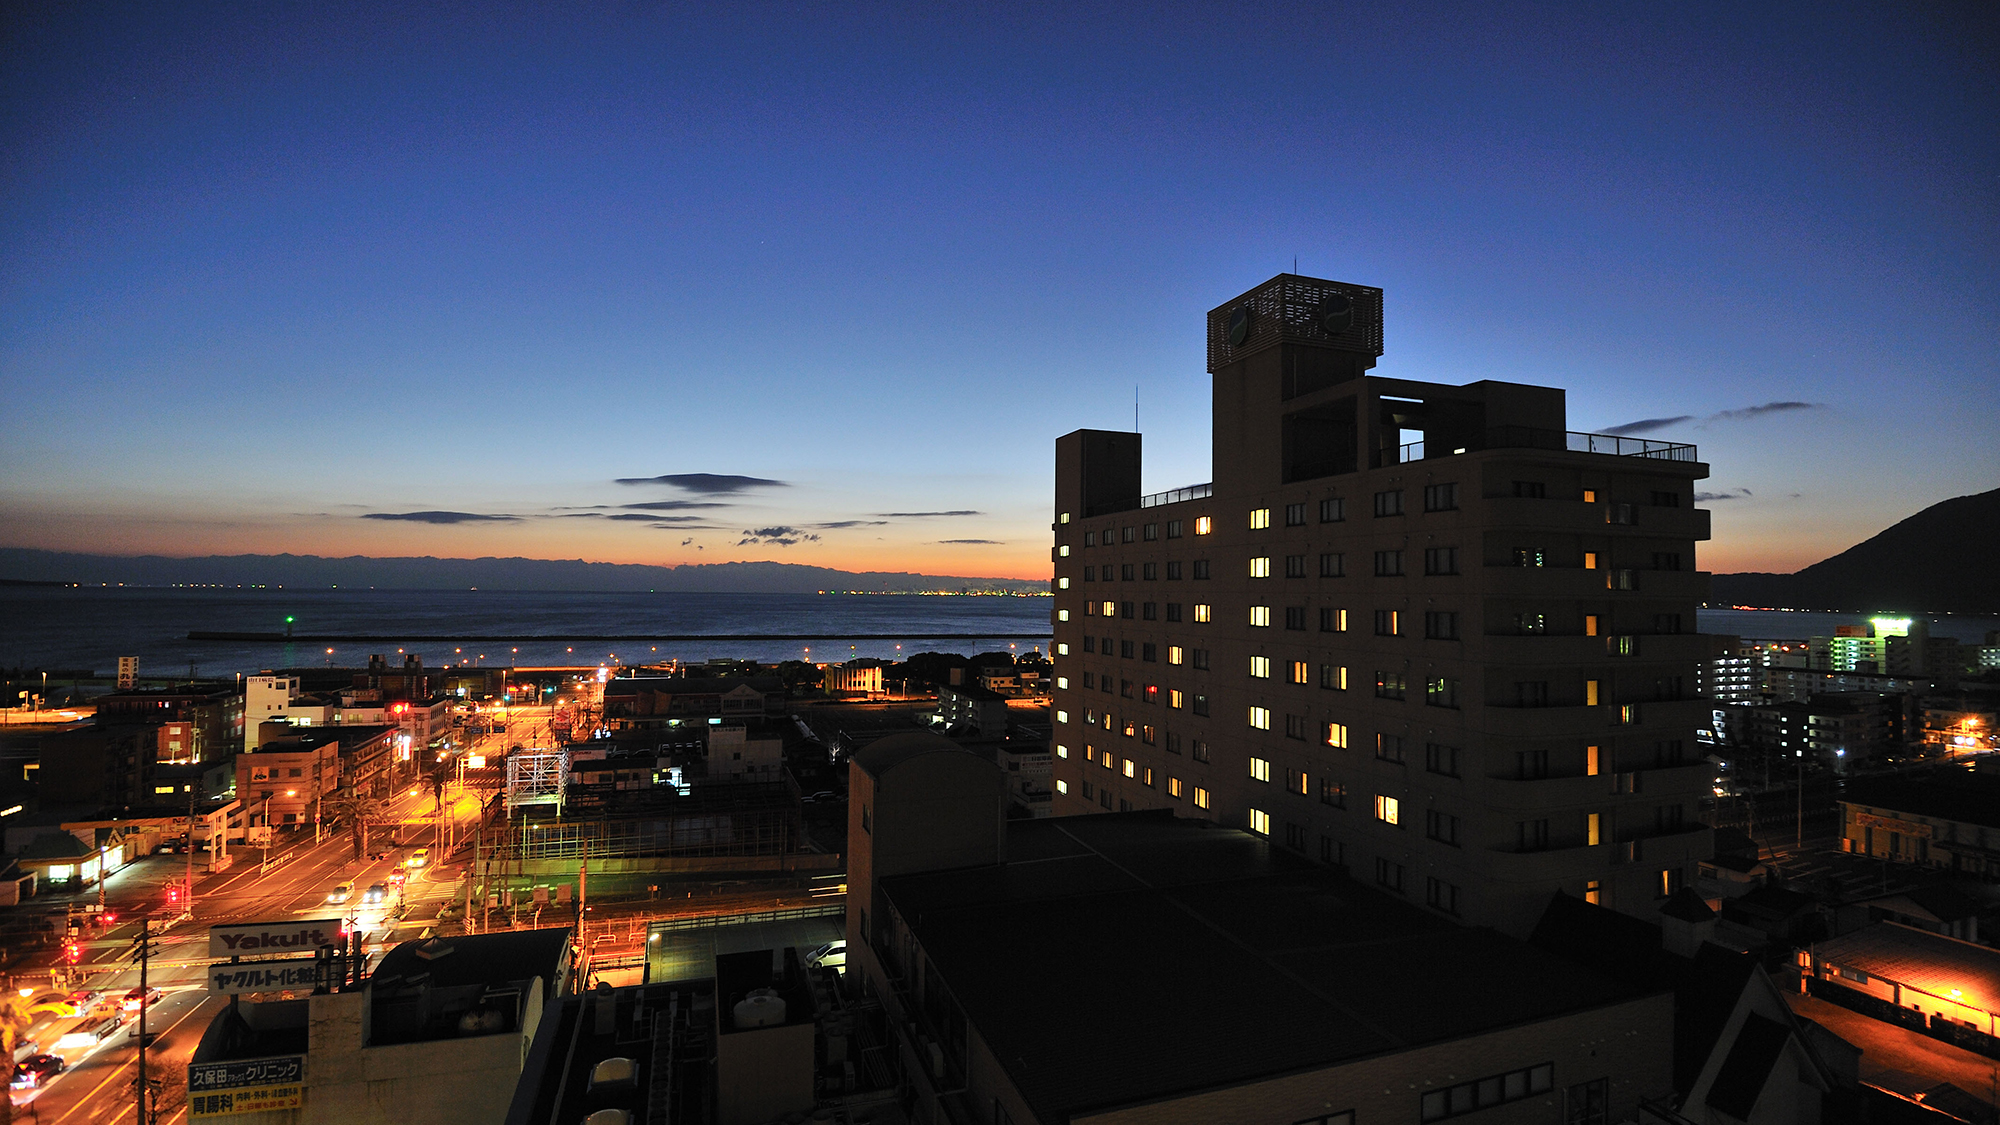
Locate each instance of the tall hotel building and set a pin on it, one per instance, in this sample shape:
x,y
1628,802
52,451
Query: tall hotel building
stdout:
x,y
1422,631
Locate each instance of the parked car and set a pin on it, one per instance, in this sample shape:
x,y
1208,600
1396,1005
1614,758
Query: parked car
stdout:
x,y
832,955
30,1073
140,998
341,893
376,892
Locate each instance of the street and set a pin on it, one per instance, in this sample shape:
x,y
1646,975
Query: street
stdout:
x,y
294,881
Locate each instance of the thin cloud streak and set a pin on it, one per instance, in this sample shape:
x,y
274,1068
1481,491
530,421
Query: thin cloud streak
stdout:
x,y
440,517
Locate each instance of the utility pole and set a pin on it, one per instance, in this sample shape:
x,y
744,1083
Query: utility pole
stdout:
x,y
189,895
145,950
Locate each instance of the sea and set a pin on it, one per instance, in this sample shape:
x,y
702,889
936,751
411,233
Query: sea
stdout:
x,y
86,629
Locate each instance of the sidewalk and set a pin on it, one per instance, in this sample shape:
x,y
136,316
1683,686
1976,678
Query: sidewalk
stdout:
x,y
1887,1047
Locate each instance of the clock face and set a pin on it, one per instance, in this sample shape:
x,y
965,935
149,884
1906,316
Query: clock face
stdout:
x,y
1335,314
1239,327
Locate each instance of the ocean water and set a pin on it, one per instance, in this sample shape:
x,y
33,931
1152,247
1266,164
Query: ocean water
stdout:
x,y
91,627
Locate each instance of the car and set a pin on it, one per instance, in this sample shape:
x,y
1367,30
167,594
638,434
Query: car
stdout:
x,y
376,892
30,1073
397,878
418,858
341,893
823,797
140,998
832,955
86,1000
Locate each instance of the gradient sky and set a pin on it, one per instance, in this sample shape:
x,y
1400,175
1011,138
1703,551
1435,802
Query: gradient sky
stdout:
x,y
269,272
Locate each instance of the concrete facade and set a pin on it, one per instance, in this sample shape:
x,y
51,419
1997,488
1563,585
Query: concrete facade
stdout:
x,y
1464,667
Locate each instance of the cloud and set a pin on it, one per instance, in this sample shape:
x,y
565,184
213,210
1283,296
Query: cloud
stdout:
x,y
925,515
780,536
439,517
707,484
849,523
988,542
1647,425
1759,411
672,505
1742,414
1709,497
579,516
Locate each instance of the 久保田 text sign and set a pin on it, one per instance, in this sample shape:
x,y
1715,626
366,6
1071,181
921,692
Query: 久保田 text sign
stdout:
x,y
268,939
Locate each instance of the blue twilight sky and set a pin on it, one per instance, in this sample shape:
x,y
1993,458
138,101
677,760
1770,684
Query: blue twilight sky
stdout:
x,y
272,272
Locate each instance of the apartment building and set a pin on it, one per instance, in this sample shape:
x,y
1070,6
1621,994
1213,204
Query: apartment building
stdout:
x,y
1417,630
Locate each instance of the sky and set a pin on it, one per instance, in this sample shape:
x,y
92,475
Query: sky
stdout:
x,y
660,283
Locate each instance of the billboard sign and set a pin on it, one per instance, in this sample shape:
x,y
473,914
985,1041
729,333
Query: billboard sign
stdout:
x,y
246,1086
271,939
128,673
261,976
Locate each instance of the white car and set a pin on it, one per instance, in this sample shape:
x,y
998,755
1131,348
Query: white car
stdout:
x,y
832,955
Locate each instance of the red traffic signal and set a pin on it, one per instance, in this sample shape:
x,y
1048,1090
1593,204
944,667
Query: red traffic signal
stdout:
x,y
73,952
173,892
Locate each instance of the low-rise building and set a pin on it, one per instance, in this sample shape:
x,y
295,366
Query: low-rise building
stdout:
x,y
972,712
1950,823
1953,985
852,679
1026,971
437,1035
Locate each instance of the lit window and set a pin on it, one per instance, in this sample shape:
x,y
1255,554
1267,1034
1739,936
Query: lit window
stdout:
x,y
1065,518
1061,750
1062,682
1260,822
1203,612
1175,698
1595,829
1131,769
1200,797
1260,717
1174,788
1388,810
1260,518
1590,693
1063,550
1260,667
1260,567
1260,769
1590,761
1301,672
1203,525
1110,609
1062,716
1174,654
1336,735
1062,786
1260,616
1062,583
1062,615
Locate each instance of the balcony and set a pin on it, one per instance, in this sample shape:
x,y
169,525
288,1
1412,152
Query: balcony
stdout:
x,y
1554,441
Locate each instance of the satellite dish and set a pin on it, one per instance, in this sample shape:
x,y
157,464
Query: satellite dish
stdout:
x,y
1335,314
1239,326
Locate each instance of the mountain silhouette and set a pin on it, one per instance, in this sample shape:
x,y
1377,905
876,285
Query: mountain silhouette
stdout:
x,y
1944,559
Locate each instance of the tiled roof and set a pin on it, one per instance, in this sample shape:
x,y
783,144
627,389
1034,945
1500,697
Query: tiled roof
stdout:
x,y
1969,799
1921,960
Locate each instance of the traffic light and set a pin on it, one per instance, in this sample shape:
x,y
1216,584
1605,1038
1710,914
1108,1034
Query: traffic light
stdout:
x,y
73,952
173,893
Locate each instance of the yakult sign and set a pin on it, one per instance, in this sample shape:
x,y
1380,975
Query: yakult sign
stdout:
x,y
262,940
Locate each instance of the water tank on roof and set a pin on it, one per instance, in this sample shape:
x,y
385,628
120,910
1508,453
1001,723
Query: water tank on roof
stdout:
x,y
762,1008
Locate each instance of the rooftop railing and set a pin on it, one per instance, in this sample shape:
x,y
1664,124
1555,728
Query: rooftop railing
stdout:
x,y
1528,437
1191,492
